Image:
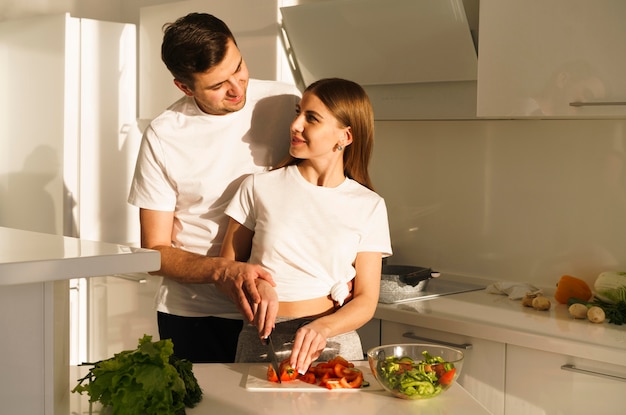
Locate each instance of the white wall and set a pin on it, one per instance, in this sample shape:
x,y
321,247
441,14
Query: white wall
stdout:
x,y
514,200
252,22
125,11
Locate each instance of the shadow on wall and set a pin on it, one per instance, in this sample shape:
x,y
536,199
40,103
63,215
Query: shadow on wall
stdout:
x,y
27,203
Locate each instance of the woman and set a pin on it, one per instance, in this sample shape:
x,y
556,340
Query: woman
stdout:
x,y
317,226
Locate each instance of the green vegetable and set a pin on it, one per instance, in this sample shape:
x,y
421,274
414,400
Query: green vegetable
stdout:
x,y
193,392
610,286
415,378
148,380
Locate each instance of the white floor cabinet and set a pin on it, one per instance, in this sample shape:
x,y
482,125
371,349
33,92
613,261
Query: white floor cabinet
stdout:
x,y
483,372
539,382
514,380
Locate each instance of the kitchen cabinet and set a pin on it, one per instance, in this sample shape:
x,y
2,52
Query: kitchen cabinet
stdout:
x,y
537,382
552,59
120,311
34,311
483,372
370,334
518,363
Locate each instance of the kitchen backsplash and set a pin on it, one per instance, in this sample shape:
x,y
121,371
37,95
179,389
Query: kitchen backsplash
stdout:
x,y
517,200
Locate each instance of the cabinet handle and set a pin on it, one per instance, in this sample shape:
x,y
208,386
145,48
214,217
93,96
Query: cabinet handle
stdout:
x,y
596,103
573,368
130,277
413,336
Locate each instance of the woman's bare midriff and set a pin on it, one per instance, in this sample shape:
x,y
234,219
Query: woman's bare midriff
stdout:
x,y
306,308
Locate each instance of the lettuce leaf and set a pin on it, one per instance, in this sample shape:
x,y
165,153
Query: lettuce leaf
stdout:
x,y
142,381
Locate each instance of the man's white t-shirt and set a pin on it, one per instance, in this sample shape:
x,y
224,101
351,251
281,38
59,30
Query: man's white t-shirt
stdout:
x,y
308,236
191,163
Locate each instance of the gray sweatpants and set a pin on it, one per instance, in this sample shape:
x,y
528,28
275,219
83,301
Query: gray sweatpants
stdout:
x,y
250,349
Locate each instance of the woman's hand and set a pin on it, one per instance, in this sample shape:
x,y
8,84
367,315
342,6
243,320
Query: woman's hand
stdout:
x,y
266,309
308,345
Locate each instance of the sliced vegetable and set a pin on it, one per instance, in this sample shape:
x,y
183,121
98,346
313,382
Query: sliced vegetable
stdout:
x,y
334,374
447,377
308,377
285,371
272,376
426,378
569,287
610,286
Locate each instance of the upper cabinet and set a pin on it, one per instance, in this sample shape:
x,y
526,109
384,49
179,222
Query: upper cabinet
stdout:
x,y
415,58
552,59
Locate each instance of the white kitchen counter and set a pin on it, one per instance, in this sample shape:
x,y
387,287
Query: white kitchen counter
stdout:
x,y
27,257
495,317
225,393
34,311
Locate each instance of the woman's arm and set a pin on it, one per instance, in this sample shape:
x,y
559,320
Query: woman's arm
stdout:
x,y
310,339
237,242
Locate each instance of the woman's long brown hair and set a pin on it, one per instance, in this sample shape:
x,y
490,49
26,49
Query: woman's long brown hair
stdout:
x,y
349,103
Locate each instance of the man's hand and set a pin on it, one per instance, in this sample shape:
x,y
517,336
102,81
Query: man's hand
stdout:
x,y
239,283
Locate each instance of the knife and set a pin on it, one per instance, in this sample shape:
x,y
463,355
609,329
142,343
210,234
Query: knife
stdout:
x,y
273,357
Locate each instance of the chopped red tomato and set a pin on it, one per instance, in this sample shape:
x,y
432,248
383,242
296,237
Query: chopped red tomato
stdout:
x,y
341,361
352,382
321,370
447,377
334,374
333,384
286,372
308,377
439,369
339,370
271,374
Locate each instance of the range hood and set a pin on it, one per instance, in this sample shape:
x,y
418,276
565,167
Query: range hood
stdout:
x,y
415,58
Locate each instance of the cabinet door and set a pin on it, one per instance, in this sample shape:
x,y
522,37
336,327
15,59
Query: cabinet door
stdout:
x,y
370,335
483,364
552,59
538,383
121,311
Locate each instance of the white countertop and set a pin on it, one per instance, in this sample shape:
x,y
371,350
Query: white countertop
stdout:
x,y
225,393
27,257
496,317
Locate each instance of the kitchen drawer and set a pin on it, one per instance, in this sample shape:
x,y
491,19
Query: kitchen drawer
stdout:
x,y
483,366
539,382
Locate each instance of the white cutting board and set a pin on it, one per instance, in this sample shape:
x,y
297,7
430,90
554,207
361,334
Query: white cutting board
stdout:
x,y
256,380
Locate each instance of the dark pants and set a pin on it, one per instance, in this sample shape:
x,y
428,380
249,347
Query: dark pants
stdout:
x,y
201,339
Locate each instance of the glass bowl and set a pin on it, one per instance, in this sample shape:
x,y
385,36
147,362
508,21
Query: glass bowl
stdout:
x,y
414,370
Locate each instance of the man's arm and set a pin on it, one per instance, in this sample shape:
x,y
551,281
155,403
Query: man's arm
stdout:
x,y
235,279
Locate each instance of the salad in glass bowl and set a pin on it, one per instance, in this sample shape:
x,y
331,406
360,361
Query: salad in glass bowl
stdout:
x,y
415,371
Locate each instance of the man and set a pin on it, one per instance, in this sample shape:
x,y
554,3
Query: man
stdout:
x,y
192,158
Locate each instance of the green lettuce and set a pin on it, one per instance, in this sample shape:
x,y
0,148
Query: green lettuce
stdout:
x,y
148,380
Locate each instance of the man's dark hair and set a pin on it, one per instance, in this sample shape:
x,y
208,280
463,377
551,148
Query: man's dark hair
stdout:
x,y
193,44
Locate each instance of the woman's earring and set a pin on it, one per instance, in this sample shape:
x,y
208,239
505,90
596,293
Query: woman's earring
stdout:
x,y
339,147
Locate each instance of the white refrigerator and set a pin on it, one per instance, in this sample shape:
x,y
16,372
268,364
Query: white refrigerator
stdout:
x,y
68,143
